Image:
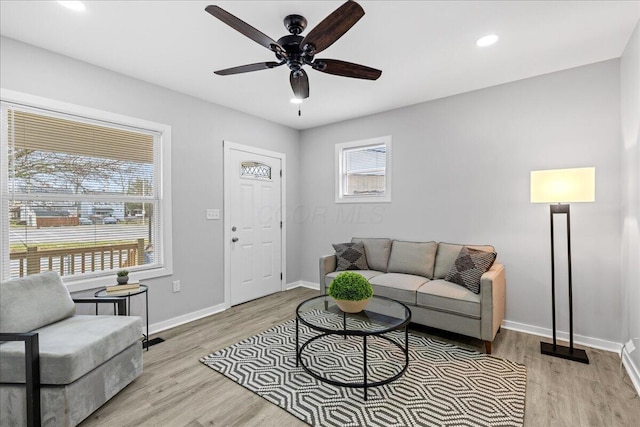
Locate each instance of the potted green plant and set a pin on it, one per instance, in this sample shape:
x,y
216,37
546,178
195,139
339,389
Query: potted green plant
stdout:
x,y
123,277
351,291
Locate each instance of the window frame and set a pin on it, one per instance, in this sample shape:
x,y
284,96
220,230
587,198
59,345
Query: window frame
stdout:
x,y
87,114
340,149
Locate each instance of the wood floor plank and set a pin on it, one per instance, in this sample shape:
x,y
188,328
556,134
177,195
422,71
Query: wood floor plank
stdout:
x,y
175,389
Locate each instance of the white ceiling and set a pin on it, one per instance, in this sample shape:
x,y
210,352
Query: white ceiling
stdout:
x,y
426,49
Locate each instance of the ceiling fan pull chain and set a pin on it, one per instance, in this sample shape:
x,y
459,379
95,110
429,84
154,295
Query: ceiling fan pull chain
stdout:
x,y
299,112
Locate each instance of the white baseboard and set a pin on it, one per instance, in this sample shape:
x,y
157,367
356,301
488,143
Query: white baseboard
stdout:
x,y
563,336
632,370
185,318
302,284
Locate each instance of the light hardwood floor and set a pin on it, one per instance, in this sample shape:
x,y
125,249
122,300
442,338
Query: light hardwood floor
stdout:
x,y
175,389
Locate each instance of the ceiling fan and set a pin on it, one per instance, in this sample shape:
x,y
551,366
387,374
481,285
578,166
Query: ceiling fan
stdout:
x,y
296,51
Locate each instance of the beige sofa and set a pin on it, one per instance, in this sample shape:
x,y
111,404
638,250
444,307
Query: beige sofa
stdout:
x,y
414,272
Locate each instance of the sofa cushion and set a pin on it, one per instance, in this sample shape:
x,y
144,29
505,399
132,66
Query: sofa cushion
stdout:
x,y
367,274
350,256
470,265
447,254
377,250
413,258
398,286
448,297
72,347
34,301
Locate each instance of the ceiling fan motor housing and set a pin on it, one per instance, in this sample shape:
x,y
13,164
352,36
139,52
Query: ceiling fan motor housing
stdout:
x,y
295,58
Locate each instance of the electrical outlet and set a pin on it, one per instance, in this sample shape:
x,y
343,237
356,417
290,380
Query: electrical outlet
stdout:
x,y
630,346
213,213
176,286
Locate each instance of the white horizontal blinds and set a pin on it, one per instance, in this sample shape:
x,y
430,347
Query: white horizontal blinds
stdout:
x,y
58,155
4,199
365,169
81,196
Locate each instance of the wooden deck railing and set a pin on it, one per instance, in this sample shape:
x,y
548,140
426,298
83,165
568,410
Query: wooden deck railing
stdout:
x,y
78,260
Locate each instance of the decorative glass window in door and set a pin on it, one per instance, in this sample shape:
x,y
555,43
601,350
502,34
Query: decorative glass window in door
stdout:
x,y
255,170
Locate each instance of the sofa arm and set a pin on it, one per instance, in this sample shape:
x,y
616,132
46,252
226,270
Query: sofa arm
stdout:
x,y
492,301
327,265
32,372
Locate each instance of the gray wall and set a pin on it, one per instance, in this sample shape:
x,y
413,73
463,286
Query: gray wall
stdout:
x,y
630,110
461,174
198,129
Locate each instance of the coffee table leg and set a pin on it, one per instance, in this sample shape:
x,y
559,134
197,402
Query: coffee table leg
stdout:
x,y
364,343
406,344
344,324
297,351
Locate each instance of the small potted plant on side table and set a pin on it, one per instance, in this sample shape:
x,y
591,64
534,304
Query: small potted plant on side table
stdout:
x,y
123,277
351,291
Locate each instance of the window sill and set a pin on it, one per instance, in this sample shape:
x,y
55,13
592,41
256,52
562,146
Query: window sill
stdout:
x,y
369,199
86,283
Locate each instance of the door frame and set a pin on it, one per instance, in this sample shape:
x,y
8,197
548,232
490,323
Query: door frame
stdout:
x,y
227,147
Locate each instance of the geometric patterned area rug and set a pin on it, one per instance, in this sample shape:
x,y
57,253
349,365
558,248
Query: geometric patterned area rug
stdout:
x,y
444,385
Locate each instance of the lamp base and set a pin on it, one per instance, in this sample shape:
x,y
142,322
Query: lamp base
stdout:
x,y
563,352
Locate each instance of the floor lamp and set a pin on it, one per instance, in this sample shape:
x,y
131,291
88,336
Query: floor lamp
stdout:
x,y
562,186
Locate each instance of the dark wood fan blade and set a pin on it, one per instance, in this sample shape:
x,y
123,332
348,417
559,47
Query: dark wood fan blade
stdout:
x,y
346,69
333,26
244,28
299,84
247,68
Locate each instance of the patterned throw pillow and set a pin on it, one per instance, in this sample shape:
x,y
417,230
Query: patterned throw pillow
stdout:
x,y
350,256
470,265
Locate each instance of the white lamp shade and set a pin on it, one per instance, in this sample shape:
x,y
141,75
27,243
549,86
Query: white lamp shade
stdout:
x,y
563,185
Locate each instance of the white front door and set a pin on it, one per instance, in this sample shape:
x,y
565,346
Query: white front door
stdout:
x,y
253,228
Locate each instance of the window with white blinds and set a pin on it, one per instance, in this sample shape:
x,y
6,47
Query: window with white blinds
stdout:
x,y
364,171
80,196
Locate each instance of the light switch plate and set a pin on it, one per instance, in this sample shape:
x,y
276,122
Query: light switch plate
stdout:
x,y
213,213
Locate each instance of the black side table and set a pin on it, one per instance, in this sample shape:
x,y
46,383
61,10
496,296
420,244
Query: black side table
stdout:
x,y
128,293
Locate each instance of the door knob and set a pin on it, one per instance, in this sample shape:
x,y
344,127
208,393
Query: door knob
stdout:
x,y
234,239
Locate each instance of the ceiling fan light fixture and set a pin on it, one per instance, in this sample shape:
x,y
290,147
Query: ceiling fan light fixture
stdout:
x,y
487,40
296,100
78,6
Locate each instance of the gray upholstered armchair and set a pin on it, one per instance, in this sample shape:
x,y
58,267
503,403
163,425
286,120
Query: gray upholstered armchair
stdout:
x,y
67,365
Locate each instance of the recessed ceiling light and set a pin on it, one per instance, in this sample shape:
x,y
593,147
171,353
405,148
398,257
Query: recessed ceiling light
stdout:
x,y
73,5
296,101
487,40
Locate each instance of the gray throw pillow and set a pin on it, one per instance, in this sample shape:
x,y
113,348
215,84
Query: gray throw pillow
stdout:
x,y
470,265
350,256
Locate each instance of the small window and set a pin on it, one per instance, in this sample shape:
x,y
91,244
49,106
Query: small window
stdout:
x,y
255,170
364,171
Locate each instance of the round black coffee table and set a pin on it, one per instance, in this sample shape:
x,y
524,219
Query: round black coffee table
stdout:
x,y
380,316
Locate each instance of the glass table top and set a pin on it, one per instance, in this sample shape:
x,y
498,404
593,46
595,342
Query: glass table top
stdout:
x,y
380,315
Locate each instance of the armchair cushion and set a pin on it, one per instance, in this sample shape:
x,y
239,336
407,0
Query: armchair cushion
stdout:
x,y
72,348
32,302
